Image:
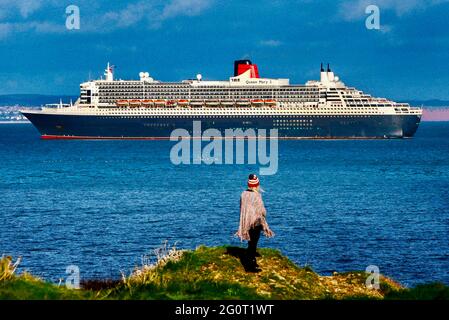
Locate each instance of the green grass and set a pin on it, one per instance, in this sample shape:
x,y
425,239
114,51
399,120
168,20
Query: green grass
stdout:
x,y
29,288
431,291
217,273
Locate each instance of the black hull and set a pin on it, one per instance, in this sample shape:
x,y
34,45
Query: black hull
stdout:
x,y
156,127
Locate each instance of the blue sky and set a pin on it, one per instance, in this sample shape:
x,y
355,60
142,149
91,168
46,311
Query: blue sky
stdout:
x,y
408,58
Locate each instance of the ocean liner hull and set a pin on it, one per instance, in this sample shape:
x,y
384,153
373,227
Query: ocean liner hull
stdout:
x,y
53,126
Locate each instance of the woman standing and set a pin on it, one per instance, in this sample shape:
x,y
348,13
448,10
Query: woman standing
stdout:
x,y
252,220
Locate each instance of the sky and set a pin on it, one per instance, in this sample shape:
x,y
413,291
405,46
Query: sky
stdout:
x,y
407,57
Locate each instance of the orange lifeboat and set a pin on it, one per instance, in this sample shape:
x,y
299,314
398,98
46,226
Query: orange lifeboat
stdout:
x,y
147,103
270,102
212,103
243,103
171,103
227,102
183,102
121,103
257,102
135,103
159,103
196,103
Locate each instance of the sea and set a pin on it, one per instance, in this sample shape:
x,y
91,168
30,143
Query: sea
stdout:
x,y
334,205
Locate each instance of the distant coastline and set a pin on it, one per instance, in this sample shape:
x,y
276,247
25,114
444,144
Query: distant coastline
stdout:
x,y
435,114
15,122
30,100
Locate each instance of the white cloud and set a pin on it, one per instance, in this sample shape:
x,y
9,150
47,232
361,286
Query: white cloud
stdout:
x,y
8,28
150,13
5,30
16,14
184,8
384,28
24,7
130,15
355,10
270,43
27,7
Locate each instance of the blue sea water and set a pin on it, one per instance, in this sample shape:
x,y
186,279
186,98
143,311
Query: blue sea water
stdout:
x,y
334,205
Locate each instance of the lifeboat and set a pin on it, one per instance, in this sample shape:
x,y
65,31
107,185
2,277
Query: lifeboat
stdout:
x,y
212,103
135,103
183,102
257,102
227,103
243,103
270,102
159,103
196,103
121,103
171,103
147,103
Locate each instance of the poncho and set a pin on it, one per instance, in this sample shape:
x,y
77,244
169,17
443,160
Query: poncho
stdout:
x,y
252,213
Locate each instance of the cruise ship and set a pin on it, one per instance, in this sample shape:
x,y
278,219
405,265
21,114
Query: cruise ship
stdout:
x,y
111,108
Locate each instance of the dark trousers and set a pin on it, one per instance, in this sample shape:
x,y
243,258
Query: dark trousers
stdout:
x,y
254,235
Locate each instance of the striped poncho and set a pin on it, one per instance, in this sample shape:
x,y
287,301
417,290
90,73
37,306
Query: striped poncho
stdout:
x,y
252,213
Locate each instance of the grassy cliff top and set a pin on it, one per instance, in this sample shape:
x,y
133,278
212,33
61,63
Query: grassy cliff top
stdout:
x,y
217,273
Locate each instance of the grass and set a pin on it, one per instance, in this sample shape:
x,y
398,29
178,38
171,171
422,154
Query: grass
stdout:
x,y
216,273
28,287
431,291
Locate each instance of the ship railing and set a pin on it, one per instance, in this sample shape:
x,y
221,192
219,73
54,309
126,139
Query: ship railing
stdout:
x,y
55,105
416,110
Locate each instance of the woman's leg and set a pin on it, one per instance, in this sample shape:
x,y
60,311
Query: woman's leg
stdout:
x,y
254,235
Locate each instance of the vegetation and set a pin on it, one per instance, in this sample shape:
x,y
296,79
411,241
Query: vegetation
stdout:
x,y
28,287
215,273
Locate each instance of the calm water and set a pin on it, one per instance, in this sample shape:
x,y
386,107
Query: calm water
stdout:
x,y
336,205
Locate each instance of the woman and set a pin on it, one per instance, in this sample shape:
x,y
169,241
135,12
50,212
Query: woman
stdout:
x,y
252,220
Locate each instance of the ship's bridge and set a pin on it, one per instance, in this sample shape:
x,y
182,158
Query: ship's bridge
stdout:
x,y
327,80
245,78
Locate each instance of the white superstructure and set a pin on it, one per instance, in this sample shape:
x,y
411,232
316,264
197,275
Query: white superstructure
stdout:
x,y
240,94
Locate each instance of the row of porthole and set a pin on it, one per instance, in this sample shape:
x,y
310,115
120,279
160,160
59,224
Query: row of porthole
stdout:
x,y
156,125
264,114
202,116
282,125
236,115
296,120
296,128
